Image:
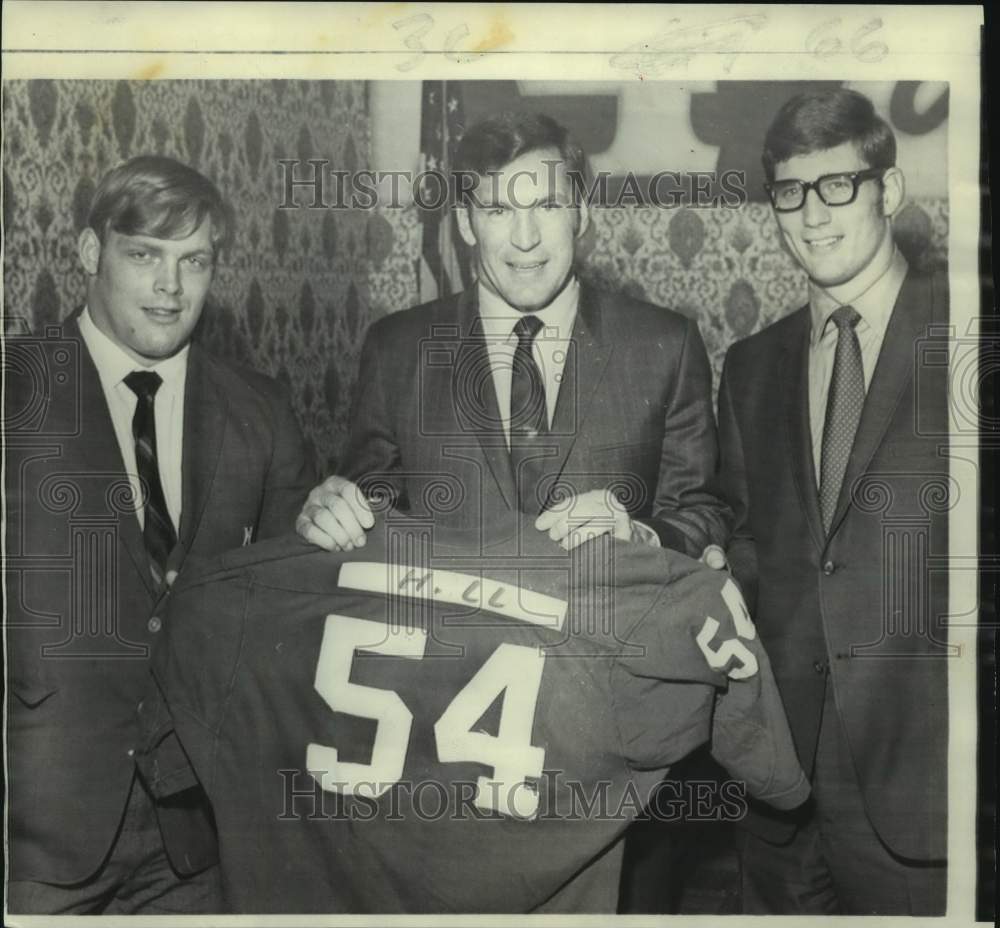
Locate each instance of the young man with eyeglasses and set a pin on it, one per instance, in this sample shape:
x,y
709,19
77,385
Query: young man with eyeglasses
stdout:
x,y
830,432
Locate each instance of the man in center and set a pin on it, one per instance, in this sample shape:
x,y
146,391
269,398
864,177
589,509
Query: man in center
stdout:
x,y
530,391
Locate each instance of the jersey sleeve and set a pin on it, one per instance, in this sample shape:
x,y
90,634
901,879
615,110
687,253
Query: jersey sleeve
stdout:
x,y
692,670
752,740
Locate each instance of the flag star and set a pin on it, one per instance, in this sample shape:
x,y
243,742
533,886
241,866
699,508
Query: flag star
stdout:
x,y
432,163
432,97
452,104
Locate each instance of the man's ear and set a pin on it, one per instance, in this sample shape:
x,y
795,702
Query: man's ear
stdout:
x,y
893,191
462,217
89,249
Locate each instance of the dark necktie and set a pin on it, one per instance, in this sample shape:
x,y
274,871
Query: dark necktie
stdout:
x,y
843,411
158,530
528,415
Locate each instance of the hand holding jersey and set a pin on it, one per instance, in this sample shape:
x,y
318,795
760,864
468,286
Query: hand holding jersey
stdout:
x,y
713,556
337,517
585,516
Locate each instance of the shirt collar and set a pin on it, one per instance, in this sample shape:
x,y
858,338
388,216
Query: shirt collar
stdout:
x,y
114,364
499,318
877,292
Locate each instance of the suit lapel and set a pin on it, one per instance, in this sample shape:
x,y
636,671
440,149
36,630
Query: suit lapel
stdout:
x,y
205,411
474,396
893,372
99,449
795,359
586,362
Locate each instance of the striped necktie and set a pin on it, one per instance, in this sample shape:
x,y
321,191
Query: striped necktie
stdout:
x,y
843,410
158,529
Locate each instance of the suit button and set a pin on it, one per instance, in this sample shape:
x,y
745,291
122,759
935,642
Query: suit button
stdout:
x,y
154,624
819,667
829,567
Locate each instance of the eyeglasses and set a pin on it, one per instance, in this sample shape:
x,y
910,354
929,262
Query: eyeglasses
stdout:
x,y
833,189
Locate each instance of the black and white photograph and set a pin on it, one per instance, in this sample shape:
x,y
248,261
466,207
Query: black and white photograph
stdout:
x,y
465,462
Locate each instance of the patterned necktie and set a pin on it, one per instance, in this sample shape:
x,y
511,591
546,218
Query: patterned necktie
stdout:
x,y
843,411
158,529
528,414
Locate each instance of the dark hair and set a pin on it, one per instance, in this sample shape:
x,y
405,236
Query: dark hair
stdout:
x,y
493,143
823,119
158,196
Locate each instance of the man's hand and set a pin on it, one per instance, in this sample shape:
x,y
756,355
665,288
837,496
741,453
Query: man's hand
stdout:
x,y
579,518
335,516
714,557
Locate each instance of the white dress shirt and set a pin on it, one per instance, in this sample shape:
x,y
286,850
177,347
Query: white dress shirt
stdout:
x,y
875,295
113,366
549,348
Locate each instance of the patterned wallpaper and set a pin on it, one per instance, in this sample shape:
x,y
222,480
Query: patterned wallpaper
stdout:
x,y
291,296
726,268
297,290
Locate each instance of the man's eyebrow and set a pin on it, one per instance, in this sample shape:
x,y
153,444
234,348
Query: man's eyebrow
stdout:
x,y
152,243
141,241
148,242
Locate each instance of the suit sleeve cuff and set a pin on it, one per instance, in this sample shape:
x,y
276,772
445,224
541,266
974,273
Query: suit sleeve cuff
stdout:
x,y
669,536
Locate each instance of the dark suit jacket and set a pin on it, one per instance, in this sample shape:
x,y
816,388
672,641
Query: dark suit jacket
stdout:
x,y
868,601
634,412
82,611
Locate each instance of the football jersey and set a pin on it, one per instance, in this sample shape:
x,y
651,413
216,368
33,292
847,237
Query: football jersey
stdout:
x,y
440,723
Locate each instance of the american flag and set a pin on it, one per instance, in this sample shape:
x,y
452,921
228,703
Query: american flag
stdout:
x,y
443,265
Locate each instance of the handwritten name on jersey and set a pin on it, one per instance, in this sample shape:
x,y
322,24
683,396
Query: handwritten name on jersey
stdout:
x,y
455,588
